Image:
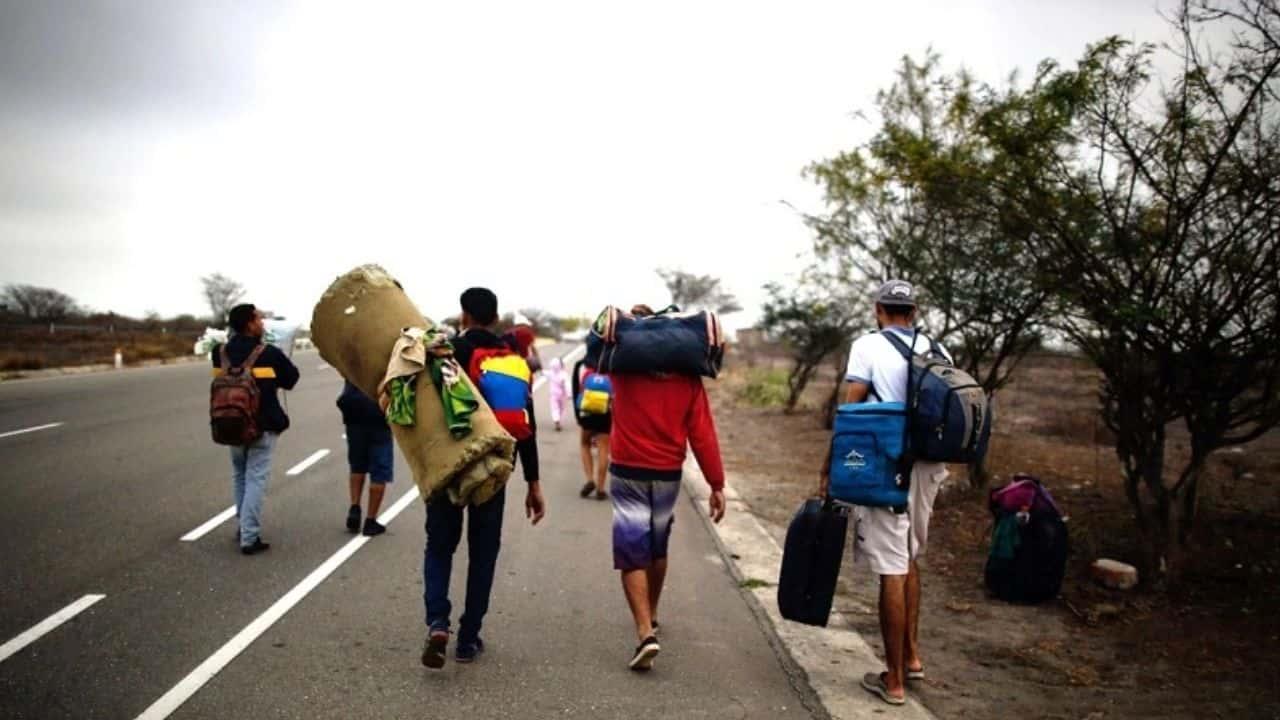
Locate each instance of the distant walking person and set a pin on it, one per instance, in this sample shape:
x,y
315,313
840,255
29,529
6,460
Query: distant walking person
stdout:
x,y
594,413
251,462
558,390
370,452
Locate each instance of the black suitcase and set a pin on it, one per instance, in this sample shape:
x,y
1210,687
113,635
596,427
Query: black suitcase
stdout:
x,y
811,562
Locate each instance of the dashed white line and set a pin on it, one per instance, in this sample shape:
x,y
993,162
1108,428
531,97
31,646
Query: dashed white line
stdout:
x,y
204,529
30,429
47,625
205,672
574,354
314,458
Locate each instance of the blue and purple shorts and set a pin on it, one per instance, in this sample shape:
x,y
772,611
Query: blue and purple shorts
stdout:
x,y
643,512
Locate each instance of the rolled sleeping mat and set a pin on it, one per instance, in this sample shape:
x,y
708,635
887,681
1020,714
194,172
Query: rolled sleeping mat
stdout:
x,y
355,327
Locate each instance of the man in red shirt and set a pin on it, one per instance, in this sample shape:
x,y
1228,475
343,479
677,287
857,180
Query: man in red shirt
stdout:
x,y
655,417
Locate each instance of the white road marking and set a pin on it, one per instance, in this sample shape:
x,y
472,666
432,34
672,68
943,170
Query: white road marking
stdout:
x,y
574,354
191,684
47,625
323,366
314,458
30,429
204,529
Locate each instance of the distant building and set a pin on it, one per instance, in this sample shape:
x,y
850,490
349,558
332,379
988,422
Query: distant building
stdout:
x,y
751,338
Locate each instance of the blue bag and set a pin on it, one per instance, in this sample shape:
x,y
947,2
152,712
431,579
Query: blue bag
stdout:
x,y
866,455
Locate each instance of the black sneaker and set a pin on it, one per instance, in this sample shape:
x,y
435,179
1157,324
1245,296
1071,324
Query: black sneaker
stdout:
x,y
645,653
257,547
353,519
433,652
586,490
467,652
372,527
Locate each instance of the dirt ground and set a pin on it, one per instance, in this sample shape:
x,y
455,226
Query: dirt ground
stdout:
x,y
1208,649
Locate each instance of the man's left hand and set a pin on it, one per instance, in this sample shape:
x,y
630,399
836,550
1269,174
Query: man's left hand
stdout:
x,y
534,507
716,506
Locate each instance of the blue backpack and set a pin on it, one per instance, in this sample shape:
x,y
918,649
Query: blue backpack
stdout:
x,y
597,394
866,455
948,416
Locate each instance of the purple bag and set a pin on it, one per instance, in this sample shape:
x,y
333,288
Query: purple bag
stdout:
x,y
1024,491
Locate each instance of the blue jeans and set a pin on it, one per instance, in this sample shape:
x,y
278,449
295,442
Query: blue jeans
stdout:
x,y
484,539
250,470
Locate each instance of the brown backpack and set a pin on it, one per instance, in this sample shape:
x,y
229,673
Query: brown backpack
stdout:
x,y
234,399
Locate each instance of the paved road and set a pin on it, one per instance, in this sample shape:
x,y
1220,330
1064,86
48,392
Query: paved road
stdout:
x,y
96,506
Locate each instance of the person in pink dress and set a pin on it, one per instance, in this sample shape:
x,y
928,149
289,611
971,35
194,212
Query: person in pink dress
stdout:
x,y
558,390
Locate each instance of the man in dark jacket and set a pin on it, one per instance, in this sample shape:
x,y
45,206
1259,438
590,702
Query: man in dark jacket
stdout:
x,y
484,531
251,465
369,452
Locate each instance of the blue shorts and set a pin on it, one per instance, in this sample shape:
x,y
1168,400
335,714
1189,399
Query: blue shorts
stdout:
x,y
369,450
643,512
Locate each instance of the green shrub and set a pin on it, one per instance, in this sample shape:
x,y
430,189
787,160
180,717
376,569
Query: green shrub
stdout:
x,y
764,388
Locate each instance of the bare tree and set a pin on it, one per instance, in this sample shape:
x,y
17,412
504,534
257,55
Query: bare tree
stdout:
x,y
698,292
39,304
221,293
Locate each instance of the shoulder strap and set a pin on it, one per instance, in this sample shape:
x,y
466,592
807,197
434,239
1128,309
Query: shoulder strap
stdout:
x,y
224,358
253,357
898,343
935,348
906,462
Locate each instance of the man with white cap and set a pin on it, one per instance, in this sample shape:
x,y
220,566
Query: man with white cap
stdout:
x,y
887,540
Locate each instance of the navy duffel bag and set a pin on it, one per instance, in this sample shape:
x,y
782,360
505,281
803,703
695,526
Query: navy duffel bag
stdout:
x,y
668,342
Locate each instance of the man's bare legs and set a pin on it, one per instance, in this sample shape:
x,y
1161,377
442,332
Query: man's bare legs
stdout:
x,y
356,486
376,491
602,462
911,656
584,451
657,576
893,630
635,585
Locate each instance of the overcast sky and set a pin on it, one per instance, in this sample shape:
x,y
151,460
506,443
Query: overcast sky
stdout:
x,y
556,152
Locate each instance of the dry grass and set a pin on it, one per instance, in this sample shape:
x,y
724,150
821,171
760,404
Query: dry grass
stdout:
x,y
1179,654
37,349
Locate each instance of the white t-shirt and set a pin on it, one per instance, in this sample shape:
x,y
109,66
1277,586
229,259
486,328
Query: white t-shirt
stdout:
x,y
874,361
